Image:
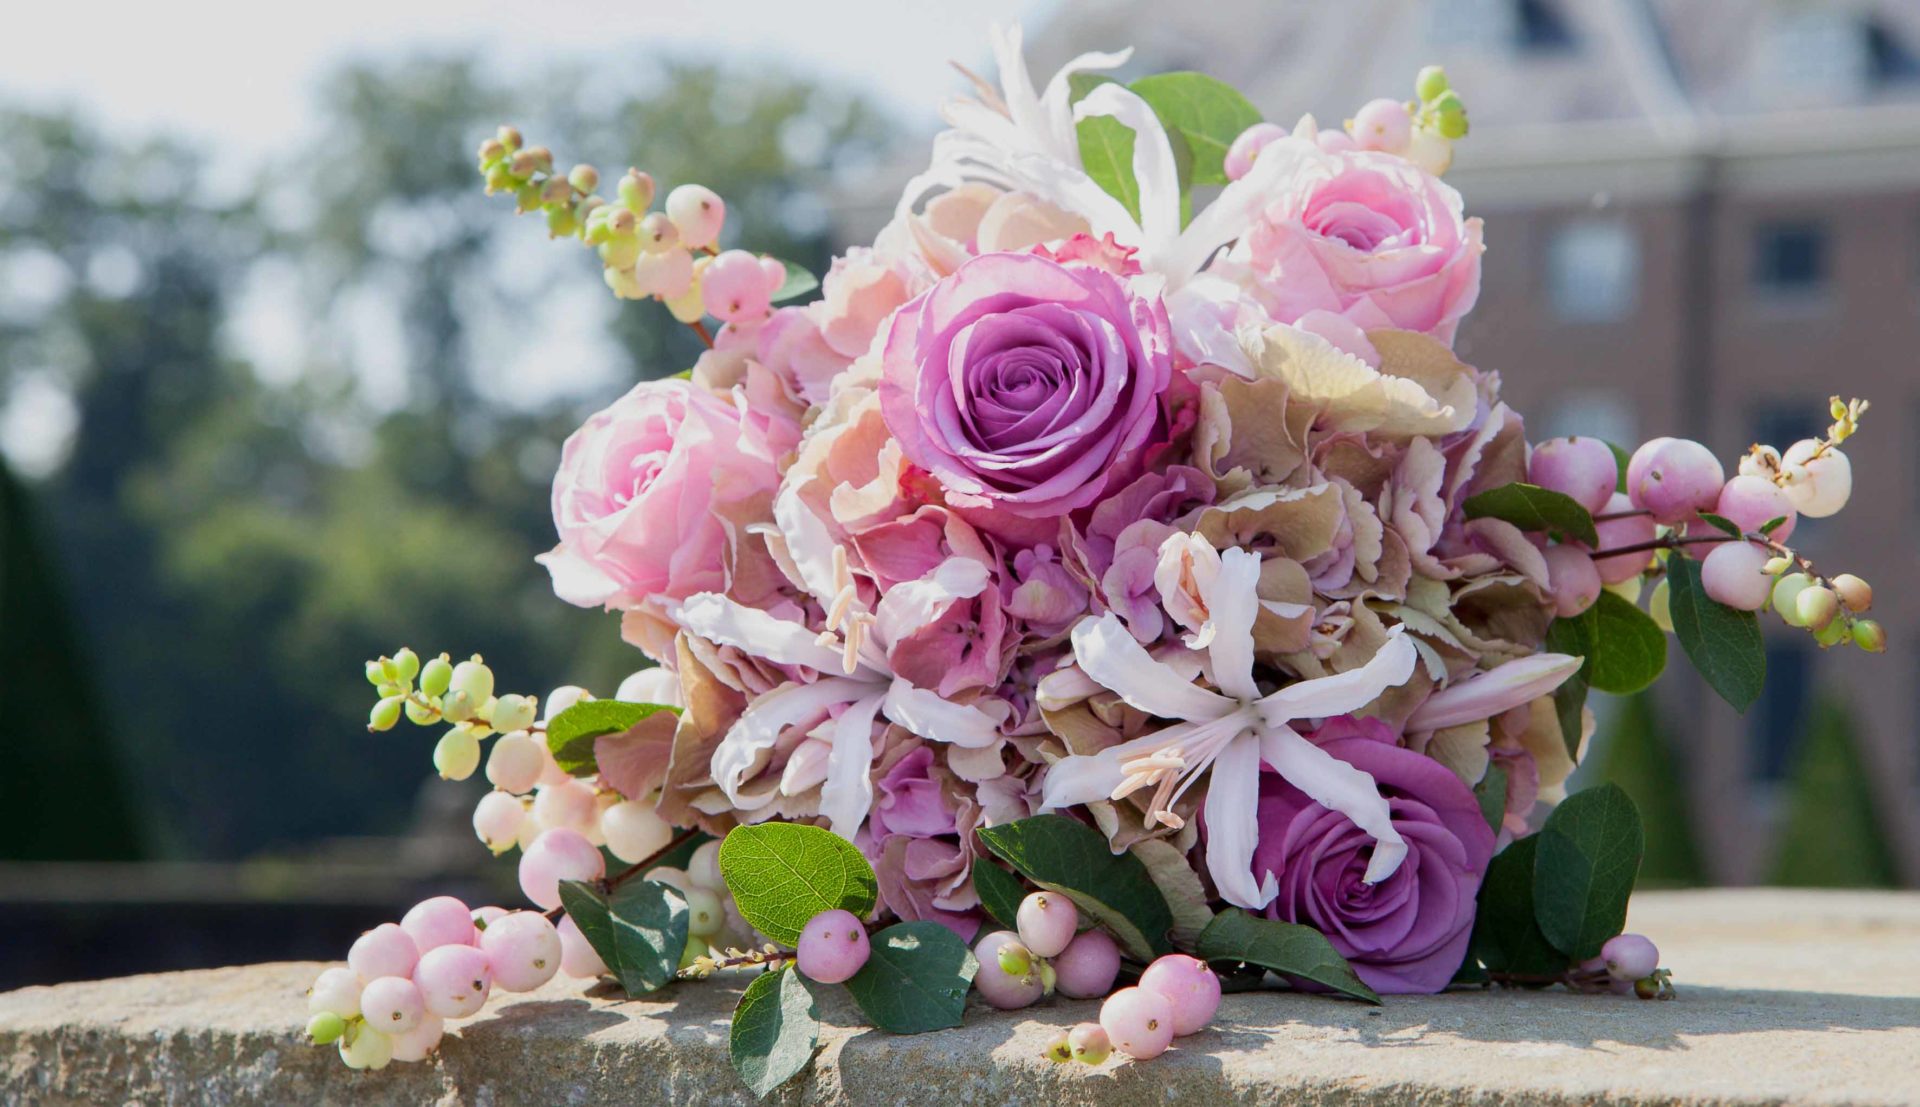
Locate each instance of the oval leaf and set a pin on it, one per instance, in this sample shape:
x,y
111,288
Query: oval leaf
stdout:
x,y
1588,856
570,734
1533,508
649,932
1208,113
915,980
1000,892
783,874
1629,649
1287,948
1724,644
1506,936
1072,858
1106,153
586,905
799,282
776,1027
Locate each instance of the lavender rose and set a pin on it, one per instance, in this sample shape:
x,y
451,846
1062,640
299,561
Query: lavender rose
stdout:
x,y
1026,387
1407,934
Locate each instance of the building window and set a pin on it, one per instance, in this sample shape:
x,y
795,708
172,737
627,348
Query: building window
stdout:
x,y
1593,271
1889,61
1790,258
1540,26
1774,723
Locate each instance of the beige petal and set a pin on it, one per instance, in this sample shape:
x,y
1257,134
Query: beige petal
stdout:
x,y
1350,395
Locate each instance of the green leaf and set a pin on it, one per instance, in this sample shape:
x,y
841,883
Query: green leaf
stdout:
x,y
570,734
799,282
1575,637
1724,644
1506,938
1106,152
1208,113
783,874
1621,459
1629,649
1773,524
776,1028
1287,948
649,933
915,980
1083,82
1588,854
586,905
1721,523
1532,508
1492,794
1072,858
1000,892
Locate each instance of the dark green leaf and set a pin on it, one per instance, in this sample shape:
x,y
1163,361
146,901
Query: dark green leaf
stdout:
x,y
586,905
1073,859
1081,83
1000,892
1532,508
1506,939
1724,644
783,874
1106,152
1721,522
776,1027
1773,524
1492,794
649,933
1575,637
1286,948
916,979
1588,854
1207,113
799,282
1621,459
1629,649
570,734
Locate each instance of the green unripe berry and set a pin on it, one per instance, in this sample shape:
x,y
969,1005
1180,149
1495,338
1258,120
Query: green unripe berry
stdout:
x,y
456,707
1058,1051
499,177
620,252
1431,82
1015,960
385,714
696,948
421,714
561,223
1835,632
512,713
1817,606
1451,126
636,191
1449,103
509,137
1870,636
376,674
325,1028
457,754
1660,606
1786,597
475,679
406,664
436,676
584,178
1048,977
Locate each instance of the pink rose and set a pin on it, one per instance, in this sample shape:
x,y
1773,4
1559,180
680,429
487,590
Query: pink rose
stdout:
x,y
1026,388
1368,236
651,495
811,345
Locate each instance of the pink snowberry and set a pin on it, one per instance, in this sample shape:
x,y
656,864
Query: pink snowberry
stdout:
x,y
386,950
1246,148
422,1040
734,288
1139,1022
556,855
1631,530
1046,921
524,949
1189,985
578,958
995,981
832,947
1630,957
1383,125
392,1004
440,921
1735,574
1677,477
697,213
1087,967
1582,468
1572,580
1089,1044
1752,502
454,980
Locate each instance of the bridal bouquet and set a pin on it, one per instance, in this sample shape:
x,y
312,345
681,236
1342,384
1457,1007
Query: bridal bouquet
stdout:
x,y
1111,576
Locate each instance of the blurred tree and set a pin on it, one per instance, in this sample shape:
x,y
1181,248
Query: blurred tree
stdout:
x,y
1832,837
1639,758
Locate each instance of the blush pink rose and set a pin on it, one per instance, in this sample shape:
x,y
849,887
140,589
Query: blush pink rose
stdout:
x,y
1027,388
645,494
1368,236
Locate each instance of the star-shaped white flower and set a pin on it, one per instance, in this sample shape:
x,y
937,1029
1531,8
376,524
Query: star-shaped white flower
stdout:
x,y
1230,732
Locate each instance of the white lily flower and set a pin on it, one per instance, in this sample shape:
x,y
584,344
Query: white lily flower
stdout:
x,y
852,664
1232,732
1495,691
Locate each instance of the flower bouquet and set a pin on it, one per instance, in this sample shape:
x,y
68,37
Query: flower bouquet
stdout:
x,y
1111,577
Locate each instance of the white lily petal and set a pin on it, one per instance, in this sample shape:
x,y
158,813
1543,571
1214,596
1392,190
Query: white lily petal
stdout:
x,y
1233,825
1352,690
809,543
1108,652
1068,188
1086,778
1233,211
1153,166
1016,86
718,619
759,727
1059,111
912,605
1233,606
1522,680
939,719
1338,786
847,795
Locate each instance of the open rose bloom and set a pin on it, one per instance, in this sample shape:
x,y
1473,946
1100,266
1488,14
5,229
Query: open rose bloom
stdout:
x,y
1052,503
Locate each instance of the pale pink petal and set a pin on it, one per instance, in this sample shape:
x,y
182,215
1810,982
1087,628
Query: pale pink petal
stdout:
x,y
1522,680
722,621
1233,825
1233,606
910,606
1337,786
1108,653
760,726
931,716
847,795
1344,692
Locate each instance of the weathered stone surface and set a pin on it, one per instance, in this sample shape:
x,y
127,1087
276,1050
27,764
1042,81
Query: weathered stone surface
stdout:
x,y
1785,997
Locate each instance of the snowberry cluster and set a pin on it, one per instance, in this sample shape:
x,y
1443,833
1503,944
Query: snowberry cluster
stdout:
x,y
1678,495
459,694
441,961
668,255
1422,130
1177,995
1629,964
1048,952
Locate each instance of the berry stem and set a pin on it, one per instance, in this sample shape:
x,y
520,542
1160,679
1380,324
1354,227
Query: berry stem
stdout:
x,y
1612,515
635,869
700,328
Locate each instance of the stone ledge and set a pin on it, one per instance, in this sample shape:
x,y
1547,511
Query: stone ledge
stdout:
x,y
1794,997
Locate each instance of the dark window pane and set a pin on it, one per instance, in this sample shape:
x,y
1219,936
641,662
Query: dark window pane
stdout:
x,y
1774,724
1540,26
1790,257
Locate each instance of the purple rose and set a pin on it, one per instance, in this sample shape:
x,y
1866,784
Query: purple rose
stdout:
x,y
1026,387
1407,934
